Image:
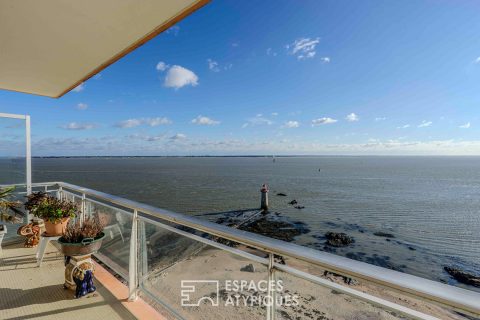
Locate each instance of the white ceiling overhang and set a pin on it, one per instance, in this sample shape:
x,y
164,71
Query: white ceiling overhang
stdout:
x,y
48,47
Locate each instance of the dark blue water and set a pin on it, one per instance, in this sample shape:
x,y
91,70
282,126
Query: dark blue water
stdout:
x,y
430,204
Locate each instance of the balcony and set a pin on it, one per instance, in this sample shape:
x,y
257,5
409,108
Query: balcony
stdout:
x,y
161,254
30,292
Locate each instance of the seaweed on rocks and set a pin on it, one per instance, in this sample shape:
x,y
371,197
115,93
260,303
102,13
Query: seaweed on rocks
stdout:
x,y
338,239
463,276
276,229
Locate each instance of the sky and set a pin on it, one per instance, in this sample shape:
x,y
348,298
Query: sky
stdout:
x,y
277,77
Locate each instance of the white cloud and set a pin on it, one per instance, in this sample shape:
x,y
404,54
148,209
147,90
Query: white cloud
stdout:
x,y
173,30
465,126
178,136
425,124
291,124
235,44
352,117
303,48
274,114
161,66
152,122
180,145
146,137
178,77
78,126
405,126
380,119
258,120
270,52
213,65
80,87
130,123
325,59
205,121
322,121
477,60
82,106
98,76
154,138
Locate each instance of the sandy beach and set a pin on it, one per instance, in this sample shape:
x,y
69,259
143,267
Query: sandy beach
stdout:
x,y
314,301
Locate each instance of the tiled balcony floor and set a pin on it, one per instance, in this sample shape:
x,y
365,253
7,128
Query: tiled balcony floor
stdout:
x,y
31,292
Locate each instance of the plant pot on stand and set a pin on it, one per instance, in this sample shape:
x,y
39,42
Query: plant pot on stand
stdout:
x,y
54,212
56,228
77,244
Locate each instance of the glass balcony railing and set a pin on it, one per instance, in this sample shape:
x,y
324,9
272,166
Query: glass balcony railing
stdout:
x,y
194,269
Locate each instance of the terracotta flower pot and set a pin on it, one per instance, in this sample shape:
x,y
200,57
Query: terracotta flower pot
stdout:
x,y
56,229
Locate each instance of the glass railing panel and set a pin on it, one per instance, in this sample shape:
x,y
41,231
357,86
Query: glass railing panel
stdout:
x,y
14,217
12,151
193,280
12,171
70,196
115,248
302,299
333,301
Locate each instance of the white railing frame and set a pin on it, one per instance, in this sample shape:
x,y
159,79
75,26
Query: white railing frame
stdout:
x,y
28,151
465,301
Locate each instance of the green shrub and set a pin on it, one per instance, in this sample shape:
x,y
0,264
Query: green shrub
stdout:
x,y
49,208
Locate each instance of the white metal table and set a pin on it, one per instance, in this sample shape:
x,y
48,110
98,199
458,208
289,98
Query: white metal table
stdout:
x,y
44,240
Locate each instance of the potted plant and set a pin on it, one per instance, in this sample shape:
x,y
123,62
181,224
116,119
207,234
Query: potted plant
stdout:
x,y
55,212
82,238
6,204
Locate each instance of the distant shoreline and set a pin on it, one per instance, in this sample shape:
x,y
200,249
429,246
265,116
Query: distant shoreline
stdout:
x,y
249,156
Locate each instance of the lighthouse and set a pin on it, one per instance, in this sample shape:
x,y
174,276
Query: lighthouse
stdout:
x,y
264,198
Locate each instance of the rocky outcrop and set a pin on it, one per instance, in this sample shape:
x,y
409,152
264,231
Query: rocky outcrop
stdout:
x,y
276,228
248,268
384,234
338,239
463,277
347,280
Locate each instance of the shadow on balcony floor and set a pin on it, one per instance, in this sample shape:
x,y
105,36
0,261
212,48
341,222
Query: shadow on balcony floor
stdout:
x,y
31,292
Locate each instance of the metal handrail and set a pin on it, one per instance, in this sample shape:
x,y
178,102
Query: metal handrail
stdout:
x,y
461,299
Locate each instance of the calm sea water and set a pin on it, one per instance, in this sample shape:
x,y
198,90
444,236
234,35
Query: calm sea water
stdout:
x,y
430,204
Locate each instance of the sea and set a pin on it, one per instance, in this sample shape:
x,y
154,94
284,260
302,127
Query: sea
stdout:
x,y
430,205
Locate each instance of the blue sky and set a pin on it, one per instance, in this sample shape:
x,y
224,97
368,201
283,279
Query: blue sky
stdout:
x,y
278,77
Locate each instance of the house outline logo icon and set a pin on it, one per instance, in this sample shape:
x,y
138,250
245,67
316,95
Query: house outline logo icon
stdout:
x,y
189,286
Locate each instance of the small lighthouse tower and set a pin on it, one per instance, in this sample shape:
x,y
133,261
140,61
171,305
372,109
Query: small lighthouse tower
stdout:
x,y
264,198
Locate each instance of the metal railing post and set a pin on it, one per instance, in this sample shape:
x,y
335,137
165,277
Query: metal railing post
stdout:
x,y
143,268
271,288
60,193
83,208
28,161
132,263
